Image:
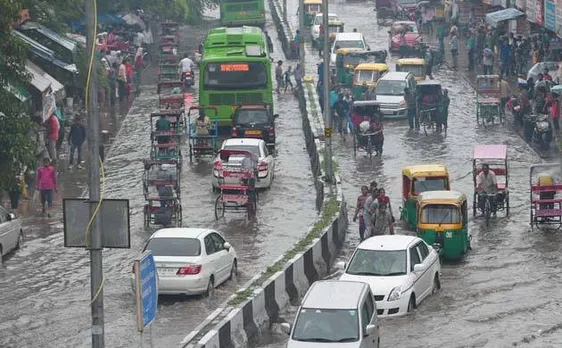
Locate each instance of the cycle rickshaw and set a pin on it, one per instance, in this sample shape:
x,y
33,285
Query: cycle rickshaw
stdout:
x,y
170,95
428,104
202,138
161,186
488,99
167,134
495,156
546,195
363,113
239,195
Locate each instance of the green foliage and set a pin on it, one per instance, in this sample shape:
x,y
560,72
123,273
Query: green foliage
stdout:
x,y
15,145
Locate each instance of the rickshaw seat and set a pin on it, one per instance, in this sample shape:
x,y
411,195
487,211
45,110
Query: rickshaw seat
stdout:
x,y
501,186
489,101
548,212
546,201
537,189
234,187
497,171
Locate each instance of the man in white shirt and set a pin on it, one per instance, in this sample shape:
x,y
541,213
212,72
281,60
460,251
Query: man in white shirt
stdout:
x,y
487,183
139,39
186,64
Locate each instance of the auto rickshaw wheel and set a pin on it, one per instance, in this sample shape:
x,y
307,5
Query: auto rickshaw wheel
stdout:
x,y
219,207
507,204
474,205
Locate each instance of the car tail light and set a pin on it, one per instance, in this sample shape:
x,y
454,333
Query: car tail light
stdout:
x,y
189,270
234,133
271,131
262,167
218,165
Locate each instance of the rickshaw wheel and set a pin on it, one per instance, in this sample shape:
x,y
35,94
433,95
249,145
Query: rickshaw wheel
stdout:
x,y
190,154
487,212
354,145
219,207
507,205
146,216
251,209
180,216
474,206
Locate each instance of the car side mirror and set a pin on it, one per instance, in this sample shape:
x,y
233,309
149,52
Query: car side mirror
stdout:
x,y
340,265
227,246
368,48
370,330
418,268
275,115
11,216
286,328
436,246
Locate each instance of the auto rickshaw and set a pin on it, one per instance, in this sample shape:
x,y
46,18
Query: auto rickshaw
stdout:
x,y
346,61
416,66
417,179
366,75
311,8
443,220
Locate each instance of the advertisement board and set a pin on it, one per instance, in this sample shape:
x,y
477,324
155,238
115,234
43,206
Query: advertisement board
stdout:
x,y
540,12
550,15
531,10
559,17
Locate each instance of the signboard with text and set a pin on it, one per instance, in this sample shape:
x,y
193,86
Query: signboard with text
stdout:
x,y
531,10
540,12
146,288
559,17
550,15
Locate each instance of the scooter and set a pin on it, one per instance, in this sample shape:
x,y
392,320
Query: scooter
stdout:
x,y
188,80
514,106
542,133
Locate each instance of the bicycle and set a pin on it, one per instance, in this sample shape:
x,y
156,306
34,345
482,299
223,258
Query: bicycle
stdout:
x,y
426,119
488,209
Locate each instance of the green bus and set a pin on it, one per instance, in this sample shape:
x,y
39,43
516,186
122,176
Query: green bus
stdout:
x,y
235,69
243,12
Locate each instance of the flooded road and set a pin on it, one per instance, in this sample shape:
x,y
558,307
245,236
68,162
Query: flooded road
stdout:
x,y
46,287
506,292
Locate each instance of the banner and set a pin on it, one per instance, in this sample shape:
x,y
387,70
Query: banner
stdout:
x,y
559,17
550,15
531,11
540,12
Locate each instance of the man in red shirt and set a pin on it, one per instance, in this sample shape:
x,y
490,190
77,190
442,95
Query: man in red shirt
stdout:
x,y
53,129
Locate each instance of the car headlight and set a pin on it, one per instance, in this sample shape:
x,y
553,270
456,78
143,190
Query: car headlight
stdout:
x,y
395,294
402,103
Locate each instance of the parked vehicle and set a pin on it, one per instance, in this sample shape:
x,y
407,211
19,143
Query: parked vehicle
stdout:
x,y
190,261
402,271
335,314
390,93
488,99
11,233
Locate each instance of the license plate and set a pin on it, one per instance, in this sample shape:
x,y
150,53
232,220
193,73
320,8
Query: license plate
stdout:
x,y
166,270
449,235
253,132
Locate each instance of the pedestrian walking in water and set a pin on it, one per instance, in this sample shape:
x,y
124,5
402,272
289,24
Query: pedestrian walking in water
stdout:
x,y
46,184
279,76
359,210
76,138
298,76
287,78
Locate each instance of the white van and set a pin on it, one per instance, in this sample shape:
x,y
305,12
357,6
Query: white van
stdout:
x,y
347,40
336,314
390,93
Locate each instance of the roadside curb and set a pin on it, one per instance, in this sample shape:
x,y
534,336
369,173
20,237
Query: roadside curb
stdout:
x,y
256,305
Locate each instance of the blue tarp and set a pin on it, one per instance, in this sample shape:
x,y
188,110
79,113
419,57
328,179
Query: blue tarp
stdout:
x,y
103,19
497,17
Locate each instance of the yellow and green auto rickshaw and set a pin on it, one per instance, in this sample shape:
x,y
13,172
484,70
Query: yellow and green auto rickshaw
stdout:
x,y
417,179
443,220
366,75
311,8
346,61
416,66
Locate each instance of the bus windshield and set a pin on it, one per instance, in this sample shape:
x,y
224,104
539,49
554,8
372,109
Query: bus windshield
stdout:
x,y
239,75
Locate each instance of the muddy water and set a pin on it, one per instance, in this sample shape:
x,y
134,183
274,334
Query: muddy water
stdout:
x,y
45,287
506,292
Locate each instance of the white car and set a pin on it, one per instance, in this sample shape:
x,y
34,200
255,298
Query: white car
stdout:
x,y
266,164
347,40
11,234
190,261
317,22
401,270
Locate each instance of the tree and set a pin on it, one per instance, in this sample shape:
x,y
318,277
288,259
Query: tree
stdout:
x,y
15,145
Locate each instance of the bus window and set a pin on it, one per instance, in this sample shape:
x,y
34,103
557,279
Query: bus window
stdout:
x,y
237,75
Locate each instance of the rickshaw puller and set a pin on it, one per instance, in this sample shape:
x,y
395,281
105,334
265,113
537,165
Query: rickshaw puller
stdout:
x,y
487,184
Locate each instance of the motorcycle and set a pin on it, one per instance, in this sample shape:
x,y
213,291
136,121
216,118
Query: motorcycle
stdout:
x,y
514,106
542,133
188,80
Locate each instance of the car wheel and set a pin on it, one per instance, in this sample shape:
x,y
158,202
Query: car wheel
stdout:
x,y
20,240
233,270
210,287
436,284
412,304
1,257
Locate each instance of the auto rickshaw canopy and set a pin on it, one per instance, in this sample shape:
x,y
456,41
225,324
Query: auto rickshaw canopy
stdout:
x,y
410,61
372,67
367,74
312,2
425,170
441,197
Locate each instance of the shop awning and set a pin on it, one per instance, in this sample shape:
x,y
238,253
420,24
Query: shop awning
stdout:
x,y
56,86
21,93
37,79
495,18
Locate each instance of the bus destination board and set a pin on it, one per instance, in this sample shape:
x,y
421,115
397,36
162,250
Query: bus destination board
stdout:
x,y
235,67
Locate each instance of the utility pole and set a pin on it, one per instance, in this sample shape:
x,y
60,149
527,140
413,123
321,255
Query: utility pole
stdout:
x,y
327,111
301,27
95,240
285,11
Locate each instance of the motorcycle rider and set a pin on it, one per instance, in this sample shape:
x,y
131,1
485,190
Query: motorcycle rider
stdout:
x,y
486,184
185,65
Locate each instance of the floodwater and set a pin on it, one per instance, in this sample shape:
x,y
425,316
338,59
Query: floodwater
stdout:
x,y
46,287
506,292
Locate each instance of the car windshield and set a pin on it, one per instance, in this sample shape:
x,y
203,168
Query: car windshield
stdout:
x,y
174,246
368,75
349,44
391,87
429,184
252,116
441,214
416,70
326,325
378,263
251,148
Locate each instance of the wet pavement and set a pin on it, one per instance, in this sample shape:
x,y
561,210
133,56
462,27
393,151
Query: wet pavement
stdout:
x,y
46,287
506,292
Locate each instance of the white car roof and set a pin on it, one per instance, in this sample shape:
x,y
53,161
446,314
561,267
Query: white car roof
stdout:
x,y
349,36
395,75
241,141
180,232
388,242
334,294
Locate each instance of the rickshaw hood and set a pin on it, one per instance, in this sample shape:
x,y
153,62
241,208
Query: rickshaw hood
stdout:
x,y
380,285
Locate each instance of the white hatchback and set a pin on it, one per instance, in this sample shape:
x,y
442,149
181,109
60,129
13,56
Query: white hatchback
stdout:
x,y
11,234
317,22
190,261
401,270
266,164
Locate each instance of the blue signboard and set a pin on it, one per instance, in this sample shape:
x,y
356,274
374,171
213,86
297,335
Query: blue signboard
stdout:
x,y
149,289
550,15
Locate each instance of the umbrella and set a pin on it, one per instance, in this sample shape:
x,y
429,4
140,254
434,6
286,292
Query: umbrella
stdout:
x,y
556,89
132,19
521,82
546,84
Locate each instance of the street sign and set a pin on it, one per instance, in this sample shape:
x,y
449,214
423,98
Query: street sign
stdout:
x,y
146,290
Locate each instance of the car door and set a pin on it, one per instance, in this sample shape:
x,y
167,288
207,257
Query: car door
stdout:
x,y
428,263
418,286
211,263
268,158
369,316
224,260
9,232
